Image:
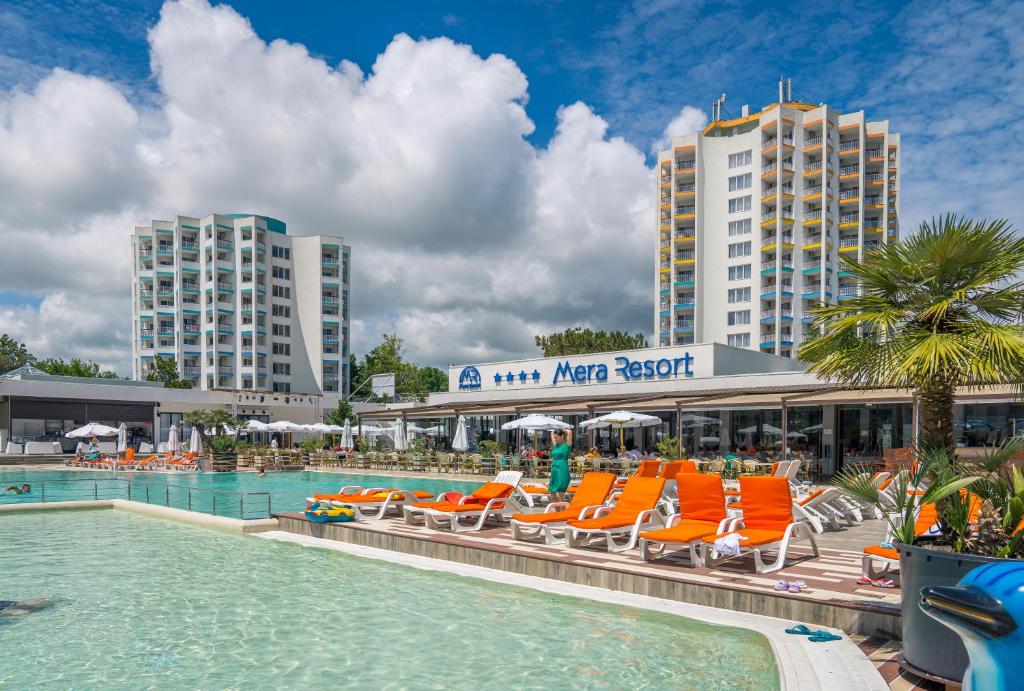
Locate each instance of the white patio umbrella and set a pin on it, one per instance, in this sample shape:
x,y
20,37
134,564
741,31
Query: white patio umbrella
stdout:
x,y
195,442
434,431
411,428
122,438
461,440
399,434
318,428
536,423
621,419
284,426
256,426
372,431
346,436
93,429
173,443
767,429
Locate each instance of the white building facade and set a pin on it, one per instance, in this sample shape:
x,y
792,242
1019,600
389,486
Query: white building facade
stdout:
x,y
239,304
754,215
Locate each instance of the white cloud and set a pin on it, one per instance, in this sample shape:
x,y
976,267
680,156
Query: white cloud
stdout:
x,y
466,239
689,121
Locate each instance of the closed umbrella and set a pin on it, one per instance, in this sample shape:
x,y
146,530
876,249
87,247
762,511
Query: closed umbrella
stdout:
x,y
461,440
173,443
195,442
346,436
622,419
122,438
399,433
93,429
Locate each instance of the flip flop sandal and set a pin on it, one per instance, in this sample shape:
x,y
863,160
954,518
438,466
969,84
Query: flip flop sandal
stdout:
x,y
794,588
883,583
782,586
824,637
800,630
864,580
799,584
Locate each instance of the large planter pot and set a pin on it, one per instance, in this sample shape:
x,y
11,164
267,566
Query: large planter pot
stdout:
x,y
928,646
224,462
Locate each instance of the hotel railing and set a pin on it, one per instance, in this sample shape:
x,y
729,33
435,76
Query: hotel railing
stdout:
x,y
217,502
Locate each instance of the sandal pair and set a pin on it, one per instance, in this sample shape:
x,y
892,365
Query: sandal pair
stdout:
x,y
819,636
790,586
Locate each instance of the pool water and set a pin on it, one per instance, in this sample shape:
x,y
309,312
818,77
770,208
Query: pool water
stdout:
x,y
148,603
288,490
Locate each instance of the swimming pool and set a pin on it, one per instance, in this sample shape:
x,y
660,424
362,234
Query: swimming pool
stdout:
x,y
143,602
288,490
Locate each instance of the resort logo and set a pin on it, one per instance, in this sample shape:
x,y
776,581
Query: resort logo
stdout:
x,y
628,369
469,379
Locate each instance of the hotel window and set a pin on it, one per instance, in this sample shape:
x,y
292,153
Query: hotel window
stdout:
x,y
739,249
739,159
282,368
281,291
282,387
281,310
739,295
739,227
281,272
739,204
281,330
739,182
738,273
739,340
281,349
739,317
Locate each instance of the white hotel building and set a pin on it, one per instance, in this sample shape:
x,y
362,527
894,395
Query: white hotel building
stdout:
x,y
239,304
754,215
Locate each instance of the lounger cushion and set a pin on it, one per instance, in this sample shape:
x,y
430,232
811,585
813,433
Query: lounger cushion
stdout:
x,y
684,531
767,503
670,470
700,497
541,518
883,552
754,537
463,508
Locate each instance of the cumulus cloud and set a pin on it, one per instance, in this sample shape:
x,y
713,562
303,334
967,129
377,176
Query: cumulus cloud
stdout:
x,y
689,120
467,240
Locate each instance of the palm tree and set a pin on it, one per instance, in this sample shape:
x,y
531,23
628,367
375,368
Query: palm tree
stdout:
x,y
216,420
940,309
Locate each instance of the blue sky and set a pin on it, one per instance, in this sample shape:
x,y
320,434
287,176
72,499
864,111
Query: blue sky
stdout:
x,y
490,152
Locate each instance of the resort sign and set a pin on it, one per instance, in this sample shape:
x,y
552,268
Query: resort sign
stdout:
x,y
653,364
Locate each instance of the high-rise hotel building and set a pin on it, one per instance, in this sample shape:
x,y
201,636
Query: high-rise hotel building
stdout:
x,y
238,303
754,214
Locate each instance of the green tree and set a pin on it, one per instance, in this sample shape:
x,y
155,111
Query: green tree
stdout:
x,y
74,368
166,371
13,354
339,415
355,375
389,357
938,310
578,341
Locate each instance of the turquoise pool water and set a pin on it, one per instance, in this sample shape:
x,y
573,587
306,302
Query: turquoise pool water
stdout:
x,y
147,603
288,490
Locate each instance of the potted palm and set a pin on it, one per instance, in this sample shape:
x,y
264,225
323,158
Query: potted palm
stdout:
x,y
220,445
940,310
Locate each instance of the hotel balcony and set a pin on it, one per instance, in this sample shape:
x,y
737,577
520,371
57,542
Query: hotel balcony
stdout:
x,y
685,188
848,171
812,143
848,292
787,266
768,316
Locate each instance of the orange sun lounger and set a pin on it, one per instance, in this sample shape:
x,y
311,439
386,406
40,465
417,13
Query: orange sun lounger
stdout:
x,y
372,503
701,513
590,496
486,500
635,509
767,524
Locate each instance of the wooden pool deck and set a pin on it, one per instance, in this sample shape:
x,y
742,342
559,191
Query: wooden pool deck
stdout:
x,y
832,597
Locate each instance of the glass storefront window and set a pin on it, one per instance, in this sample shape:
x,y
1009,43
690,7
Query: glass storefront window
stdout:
x,y
869,433
987,424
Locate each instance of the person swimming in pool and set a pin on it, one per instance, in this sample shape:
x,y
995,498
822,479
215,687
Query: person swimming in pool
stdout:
x,y
24,489
19,608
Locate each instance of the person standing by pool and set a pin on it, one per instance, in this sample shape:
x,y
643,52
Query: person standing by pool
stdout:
x,y
558,483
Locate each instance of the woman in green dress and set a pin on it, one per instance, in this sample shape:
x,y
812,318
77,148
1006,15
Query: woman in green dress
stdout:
x,y
558,483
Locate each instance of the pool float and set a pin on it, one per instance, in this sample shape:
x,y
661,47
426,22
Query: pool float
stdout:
x,y
325,513
987,610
